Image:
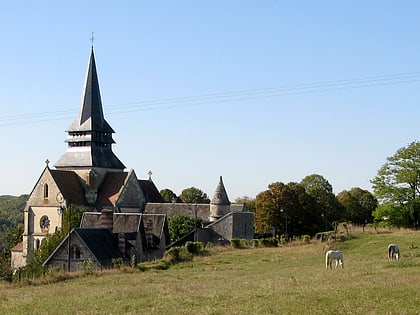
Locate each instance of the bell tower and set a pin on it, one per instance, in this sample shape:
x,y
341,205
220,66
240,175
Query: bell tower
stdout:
x,y
89,139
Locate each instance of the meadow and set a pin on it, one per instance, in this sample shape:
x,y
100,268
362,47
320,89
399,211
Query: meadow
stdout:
x,y
288,279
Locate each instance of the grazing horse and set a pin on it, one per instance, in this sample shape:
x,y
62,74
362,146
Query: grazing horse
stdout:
x,y
393,252
334,255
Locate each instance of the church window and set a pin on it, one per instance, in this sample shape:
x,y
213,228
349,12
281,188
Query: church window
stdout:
x,y
45,191
37,244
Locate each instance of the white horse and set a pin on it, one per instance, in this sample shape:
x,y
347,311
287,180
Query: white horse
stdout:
x,y
393,252
334,255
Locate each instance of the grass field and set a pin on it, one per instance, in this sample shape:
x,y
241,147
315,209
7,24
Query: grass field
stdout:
x,y
285,280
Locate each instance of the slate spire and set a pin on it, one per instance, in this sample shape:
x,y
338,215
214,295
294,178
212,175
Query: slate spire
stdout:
x,y
220,196
90,136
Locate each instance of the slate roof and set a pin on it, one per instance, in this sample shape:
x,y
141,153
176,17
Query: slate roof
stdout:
x,y
90,136
110,189
101,242
220,196
150,191
69,184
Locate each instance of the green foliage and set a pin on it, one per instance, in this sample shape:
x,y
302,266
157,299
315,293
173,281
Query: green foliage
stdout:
x,y
398,183
74,214
268,242
358,204
306,238
133,261
5,269
390,214
117,262
194,195
177,254
236,243
11,216
194,248
248,201
288,209
321,190
12,236
168,195
181,225
87,266
48,245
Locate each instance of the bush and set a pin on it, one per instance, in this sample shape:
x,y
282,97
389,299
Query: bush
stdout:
x,y
306,238
239,243
117,262
177,254
268,242
194,248
255,243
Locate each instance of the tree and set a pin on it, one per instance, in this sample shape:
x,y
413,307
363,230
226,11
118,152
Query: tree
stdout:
x,y
359,205
168,195
319,188
194,195
181,225
397,186
288,209
248,201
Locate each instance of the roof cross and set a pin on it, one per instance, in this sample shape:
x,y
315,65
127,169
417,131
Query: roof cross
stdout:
x,y
92,38
150,175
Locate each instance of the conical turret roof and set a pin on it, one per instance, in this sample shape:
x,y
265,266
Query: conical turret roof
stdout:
x,y
220,196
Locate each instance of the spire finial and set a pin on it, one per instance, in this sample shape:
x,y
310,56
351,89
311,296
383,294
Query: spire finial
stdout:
x,y
92,38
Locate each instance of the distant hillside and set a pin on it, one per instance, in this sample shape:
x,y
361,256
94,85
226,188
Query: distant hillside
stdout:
x,y
11,213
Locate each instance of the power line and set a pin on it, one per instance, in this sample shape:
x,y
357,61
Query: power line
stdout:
x,y
224,97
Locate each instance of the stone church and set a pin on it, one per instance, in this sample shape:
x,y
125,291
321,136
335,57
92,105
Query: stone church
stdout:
x,y
125,216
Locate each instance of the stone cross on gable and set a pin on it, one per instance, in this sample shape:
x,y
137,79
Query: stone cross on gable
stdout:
x,y
150,175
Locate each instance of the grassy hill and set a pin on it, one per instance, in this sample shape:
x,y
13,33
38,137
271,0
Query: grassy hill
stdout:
x,y
285,280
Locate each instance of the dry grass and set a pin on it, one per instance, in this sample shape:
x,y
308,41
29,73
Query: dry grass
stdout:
x,y
284,280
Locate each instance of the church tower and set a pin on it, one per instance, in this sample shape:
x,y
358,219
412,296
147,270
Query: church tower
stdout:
x,y
89,152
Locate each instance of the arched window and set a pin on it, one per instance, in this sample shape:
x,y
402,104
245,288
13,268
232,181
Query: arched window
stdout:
x,y
45,191
37,244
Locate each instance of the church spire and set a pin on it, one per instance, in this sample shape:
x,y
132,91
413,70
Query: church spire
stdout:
x,y
90,136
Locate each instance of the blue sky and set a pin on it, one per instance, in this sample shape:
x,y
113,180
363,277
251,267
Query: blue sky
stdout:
x,y
254,91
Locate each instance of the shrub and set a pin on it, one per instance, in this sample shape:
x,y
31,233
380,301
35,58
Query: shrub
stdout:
x,y
255,243
194,248
306,238
177,254
133,261
236,243
268,242
117,262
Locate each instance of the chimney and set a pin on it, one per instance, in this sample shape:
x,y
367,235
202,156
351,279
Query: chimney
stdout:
x,y
107,220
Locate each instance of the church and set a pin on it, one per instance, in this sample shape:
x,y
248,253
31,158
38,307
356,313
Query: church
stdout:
x,y
124,216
